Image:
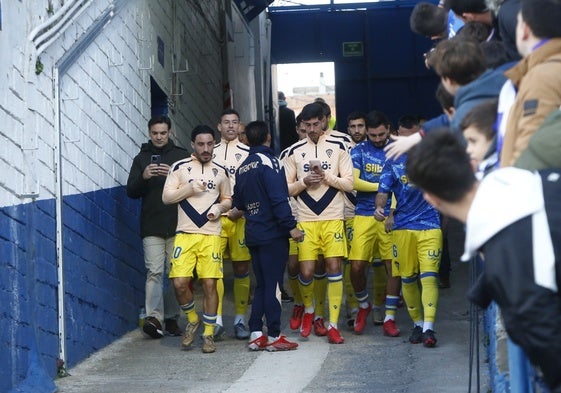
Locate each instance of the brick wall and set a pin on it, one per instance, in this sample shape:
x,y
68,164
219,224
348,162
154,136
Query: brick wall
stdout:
x,y
104,109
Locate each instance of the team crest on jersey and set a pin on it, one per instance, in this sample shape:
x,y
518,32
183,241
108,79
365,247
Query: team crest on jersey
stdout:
x,y
238,156
329,152
214,172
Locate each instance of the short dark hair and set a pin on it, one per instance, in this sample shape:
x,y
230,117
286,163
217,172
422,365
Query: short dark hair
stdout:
x,y
444,98
458,59
312,110
229,111
467,6
440,165
483,117
256,133
324,106
478,31
542,16
201,129
375,119
408,121
428,19
355,115
158,120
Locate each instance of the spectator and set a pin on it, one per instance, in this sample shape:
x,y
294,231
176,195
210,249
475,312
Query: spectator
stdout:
x,y
157,224
479,133
534,87
429,20
512,218
287,123
261,192
461,67
504,21
544,145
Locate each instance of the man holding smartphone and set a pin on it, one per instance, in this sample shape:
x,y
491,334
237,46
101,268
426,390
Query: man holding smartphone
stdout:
x,y
318,171
157,224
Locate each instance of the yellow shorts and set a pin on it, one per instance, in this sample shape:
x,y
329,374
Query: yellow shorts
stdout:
x,y
193,250
233,240
322,237
416,251
293,247
370,240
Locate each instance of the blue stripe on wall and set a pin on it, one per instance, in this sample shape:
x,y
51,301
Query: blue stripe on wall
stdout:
x,y
104,282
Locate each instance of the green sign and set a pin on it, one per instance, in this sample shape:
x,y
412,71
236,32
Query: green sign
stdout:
x,y
353,49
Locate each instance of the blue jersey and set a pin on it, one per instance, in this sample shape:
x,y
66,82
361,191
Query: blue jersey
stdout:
x,y
369,160
412,211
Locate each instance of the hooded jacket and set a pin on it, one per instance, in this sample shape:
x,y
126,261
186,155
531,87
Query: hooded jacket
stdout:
x,y
537,80
156,219
515,221
488,85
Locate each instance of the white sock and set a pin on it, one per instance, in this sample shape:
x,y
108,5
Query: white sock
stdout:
x,y
428,326
219,320
389,317
309,310
239,319
332,325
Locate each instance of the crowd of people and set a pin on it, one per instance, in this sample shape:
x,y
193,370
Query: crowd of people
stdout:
x,y
335,205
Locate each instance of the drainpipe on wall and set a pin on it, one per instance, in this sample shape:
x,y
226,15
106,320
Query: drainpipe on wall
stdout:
x,y
56,25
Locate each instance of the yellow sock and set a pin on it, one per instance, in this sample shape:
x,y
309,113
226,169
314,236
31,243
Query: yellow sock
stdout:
x,y
320,287
412,297
208,323
220,290
334,296
352,302
241,293
295,288
190,312
307,292
429,296
379,283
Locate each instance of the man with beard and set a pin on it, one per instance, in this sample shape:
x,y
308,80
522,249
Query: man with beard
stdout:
x,y
202,190
371,238
318,171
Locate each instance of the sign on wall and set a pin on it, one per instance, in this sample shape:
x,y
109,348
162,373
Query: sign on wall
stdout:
x,y
353,48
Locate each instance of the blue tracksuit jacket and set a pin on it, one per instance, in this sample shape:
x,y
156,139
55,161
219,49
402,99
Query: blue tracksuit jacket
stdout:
x,y
261,191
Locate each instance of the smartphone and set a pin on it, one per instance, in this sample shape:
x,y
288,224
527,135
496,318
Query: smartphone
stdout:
x,y
156,159
315,165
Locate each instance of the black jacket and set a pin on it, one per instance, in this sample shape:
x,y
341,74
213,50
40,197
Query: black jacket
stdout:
x,y
156,219
519,235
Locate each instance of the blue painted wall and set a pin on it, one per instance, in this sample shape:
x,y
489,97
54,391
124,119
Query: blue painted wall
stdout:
x,y
103,276
390,76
